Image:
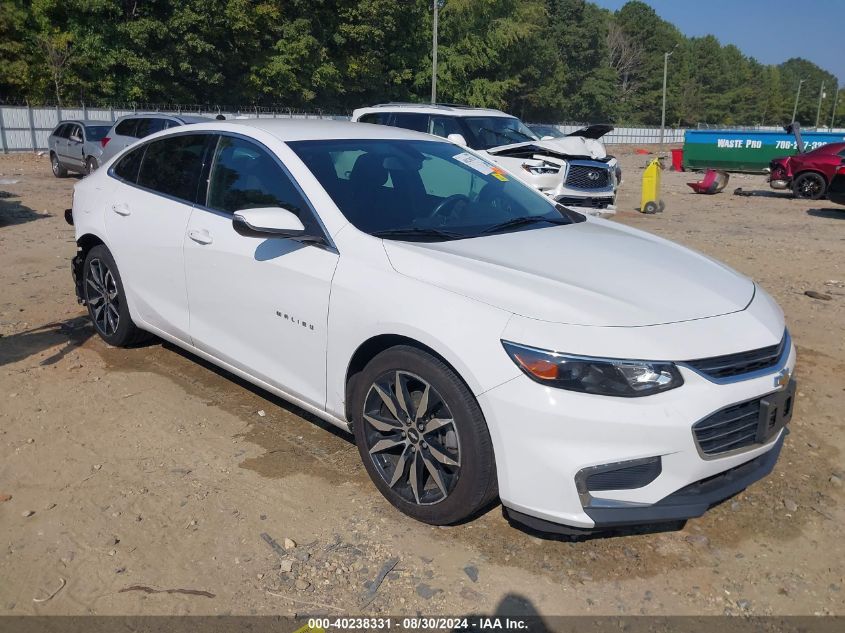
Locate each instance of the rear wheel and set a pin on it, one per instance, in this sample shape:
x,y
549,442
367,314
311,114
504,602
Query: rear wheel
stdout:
x,y
58,170
809,186
106,300
422,437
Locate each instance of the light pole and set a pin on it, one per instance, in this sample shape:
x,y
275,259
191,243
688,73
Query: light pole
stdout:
x,y
436,4
835,101
819,111
663,109
797,94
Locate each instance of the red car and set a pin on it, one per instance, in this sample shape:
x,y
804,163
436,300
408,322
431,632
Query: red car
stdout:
x,y
808,174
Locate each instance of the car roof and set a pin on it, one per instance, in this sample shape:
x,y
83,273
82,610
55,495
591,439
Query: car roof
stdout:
x,y
85,122
449,109
310,129
184,118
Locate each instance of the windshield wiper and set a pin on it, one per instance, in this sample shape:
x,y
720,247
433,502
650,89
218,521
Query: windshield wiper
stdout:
x,y
530,219
417,232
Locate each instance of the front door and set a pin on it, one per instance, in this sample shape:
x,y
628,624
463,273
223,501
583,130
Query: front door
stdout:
x,y
147,221
259,304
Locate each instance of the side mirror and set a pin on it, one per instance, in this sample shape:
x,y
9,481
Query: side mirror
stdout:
x,y
268,222
458,138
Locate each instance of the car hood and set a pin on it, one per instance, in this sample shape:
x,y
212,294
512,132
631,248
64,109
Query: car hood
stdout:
x,y
566,147
591,273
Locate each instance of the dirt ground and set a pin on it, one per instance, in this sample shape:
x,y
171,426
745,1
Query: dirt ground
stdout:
x,y
134,472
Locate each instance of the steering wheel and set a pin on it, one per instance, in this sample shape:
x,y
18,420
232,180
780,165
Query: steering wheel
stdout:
x,y
447,204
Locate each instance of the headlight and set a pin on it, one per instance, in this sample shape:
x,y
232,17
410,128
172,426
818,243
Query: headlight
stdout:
x,y
540,167
603,376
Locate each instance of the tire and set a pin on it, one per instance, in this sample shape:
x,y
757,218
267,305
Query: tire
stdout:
x,y
809,186
56,166
650,207
103,291
90,165
454,440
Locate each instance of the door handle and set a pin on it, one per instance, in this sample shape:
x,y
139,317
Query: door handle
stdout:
x,y
121,209
200,237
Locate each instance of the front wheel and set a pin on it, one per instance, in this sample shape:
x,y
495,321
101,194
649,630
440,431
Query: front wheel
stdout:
x,y
106,299
809,186
56,166
422,437
90,165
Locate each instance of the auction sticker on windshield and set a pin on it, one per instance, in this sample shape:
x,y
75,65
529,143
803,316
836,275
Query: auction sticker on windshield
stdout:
x,y
481,166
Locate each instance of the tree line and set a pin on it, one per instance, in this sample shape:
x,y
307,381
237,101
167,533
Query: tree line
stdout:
x,y
551,60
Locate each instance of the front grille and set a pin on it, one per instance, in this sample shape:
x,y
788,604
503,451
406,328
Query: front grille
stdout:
x,y
593,203
587,177
729,429
731,365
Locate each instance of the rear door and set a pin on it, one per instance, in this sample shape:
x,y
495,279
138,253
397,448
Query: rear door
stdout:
x,y
146,226
259,304
75,147
59,139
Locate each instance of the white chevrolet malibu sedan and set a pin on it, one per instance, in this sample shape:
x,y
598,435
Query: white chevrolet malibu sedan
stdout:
x,y
479,340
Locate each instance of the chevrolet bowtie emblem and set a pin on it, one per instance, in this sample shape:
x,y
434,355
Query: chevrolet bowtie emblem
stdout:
x,y
782,379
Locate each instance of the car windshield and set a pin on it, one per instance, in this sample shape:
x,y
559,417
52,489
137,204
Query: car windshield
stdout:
x,y
547,130
424,190
492,131
96,132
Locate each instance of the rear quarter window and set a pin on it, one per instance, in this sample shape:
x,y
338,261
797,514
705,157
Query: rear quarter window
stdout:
x,y
127,167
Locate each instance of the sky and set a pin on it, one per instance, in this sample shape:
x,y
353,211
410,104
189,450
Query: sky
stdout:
x,y
771,31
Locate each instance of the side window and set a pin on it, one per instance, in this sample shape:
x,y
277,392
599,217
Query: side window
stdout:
x,y
172,166
444,126
245,176
842,153
126,127
61,131
380,118
411,121
127,167
150,126
75,133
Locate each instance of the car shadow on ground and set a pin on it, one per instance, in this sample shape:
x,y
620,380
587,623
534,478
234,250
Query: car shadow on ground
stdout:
x,y
258,391
833,213
13,212
73,332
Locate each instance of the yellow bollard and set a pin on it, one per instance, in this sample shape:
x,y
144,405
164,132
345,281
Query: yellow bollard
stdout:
x,y
650,201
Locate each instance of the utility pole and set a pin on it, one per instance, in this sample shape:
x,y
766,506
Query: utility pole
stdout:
x,y
663,110
835,101
797,94
434,53
819,111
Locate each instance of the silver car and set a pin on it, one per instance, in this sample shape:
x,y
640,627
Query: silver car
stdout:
x,y
129,129
76,146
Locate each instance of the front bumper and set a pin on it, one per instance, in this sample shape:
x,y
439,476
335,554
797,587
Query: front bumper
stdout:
x,y
544,437
688,502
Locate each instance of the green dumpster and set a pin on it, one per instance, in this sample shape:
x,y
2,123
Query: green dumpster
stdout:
x,y
744,150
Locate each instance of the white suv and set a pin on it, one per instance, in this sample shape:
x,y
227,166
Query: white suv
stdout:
x,y
574,170
399,286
